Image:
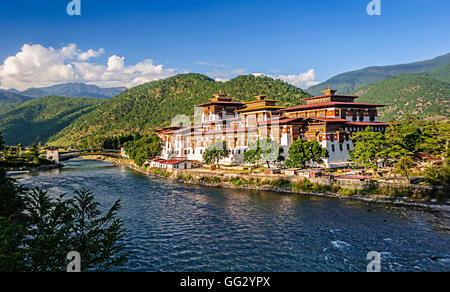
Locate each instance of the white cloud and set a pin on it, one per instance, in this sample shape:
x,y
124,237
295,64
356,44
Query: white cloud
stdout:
x,y
226,75
222,79
90,54
259,75
303,80
116,63
37,66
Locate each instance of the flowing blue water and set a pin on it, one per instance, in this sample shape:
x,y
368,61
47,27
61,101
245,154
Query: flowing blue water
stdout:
x,y
176,227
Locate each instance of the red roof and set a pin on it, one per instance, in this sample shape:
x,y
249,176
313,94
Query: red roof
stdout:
x,y
220,103
329,104
329,120
367,124
173,162
280,121
338,95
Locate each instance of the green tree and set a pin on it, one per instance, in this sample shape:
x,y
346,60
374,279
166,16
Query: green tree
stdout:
x,y
301,152
145,148
264,151
216,152
34,151
37,230
271,152
2,143
97,238
252,156
436,137
370,148
403,166
438,176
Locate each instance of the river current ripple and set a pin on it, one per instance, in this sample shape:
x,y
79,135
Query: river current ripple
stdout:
x,y
176,227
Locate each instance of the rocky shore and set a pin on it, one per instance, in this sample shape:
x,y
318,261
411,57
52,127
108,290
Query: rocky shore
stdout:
x,y
187,177
35,169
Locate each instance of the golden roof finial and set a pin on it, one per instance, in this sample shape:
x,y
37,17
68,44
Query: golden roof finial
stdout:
x,y
329,91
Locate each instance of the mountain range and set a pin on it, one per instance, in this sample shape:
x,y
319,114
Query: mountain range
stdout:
x,y
349,82
71,90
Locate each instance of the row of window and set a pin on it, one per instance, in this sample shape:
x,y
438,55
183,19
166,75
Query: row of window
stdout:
x,y
341,147
187,152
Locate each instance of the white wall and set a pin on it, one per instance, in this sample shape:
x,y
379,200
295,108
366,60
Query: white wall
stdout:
x,y
337,158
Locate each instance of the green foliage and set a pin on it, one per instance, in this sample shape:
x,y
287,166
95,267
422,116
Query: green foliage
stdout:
x,y
11,255
2,143
11,198
108,142
15,158
155,104
370,148
216,152
160,172
348,192
264,151
403,141
96,237
38,230
442,73
416,94
281,183
302,152
10,100
43,118
349,82
34,151
145,148
404,165
413,135
438,176
305,185
252,156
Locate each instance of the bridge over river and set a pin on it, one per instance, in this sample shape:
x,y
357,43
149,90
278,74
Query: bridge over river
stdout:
x,y
58,156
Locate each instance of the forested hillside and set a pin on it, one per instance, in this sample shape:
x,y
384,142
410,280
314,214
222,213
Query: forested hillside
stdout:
x,y
442,73
351,81
10,100
155,104
417,94
37,120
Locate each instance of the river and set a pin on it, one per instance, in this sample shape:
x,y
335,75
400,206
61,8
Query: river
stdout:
x,y
183,228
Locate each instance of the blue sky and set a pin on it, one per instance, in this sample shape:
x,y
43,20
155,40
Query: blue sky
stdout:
x,y
224,38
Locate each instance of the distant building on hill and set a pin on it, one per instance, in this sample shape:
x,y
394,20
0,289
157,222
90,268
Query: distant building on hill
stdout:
x,y
330,119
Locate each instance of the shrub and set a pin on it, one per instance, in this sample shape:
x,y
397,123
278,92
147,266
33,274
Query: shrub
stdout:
x,y
438,176
238,182
281,183
348,192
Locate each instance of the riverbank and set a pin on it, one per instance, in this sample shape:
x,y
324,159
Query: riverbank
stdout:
x,y
394,194
40,168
